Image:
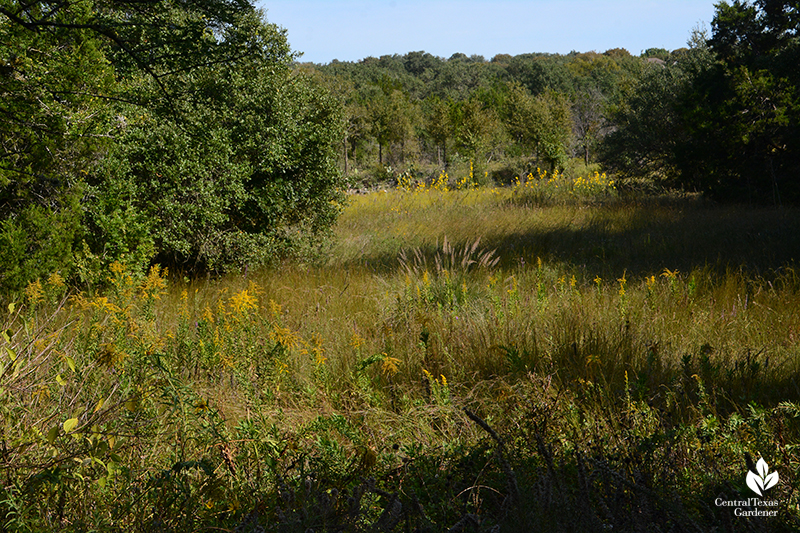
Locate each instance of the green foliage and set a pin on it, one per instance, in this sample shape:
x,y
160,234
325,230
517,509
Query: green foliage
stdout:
x,y
50,84
722,117
476,132
391,117
746,109
651,129
181,135
540,124
449,110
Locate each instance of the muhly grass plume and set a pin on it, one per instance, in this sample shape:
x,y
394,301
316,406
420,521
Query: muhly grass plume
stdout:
x,y
458,360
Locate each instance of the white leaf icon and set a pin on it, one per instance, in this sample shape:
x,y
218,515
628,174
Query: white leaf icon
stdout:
x,y
754,482
764,481
771,480
762,467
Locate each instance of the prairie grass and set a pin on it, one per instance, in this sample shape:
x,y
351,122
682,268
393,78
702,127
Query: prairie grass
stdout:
x,y
458,359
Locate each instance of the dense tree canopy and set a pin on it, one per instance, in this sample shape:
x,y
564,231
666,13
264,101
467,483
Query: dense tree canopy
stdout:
x,y
531,109
723,117
177,132
720,116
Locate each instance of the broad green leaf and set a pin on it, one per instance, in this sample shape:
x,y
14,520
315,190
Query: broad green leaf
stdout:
x,y
52,434
70,424
71,363
60,380
11,354
11,308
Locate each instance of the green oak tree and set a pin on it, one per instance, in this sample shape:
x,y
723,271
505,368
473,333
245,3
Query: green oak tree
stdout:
x,y
170,131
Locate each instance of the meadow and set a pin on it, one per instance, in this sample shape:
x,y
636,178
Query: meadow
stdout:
x,y
552,354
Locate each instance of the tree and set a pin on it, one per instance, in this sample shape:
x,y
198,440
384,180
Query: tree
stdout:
x,y
476,127
225,174
649,126
392,116
588,119
542,124
52,80
180,125
724,116
747,109
438,125
540,72
416,63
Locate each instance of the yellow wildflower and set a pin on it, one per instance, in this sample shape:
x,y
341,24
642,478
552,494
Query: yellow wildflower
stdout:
x,y
34,292
55,280
155,283
390,365
242,302
357,340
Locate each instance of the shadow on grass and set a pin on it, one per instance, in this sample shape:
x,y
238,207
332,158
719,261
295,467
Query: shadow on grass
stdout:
x,y
642,238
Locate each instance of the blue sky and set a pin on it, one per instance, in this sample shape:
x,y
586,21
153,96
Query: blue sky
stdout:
x,y
349,30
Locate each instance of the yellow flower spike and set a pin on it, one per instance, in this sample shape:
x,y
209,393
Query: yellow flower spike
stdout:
x,y
285,337
117,268
155,283
183,311
669,274
55,280
356,341
622,281
390,366
242,302
274,309
208,314
34,292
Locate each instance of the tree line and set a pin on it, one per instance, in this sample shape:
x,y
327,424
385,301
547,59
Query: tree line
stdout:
x,y
719,116
419,110
187,133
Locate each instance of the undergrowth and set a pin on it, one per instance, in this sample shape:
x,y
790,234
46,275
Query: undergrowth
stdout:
x,y
464,361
